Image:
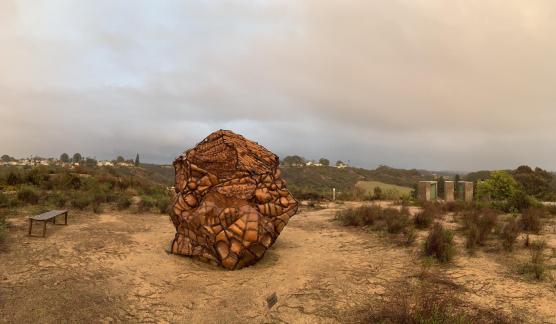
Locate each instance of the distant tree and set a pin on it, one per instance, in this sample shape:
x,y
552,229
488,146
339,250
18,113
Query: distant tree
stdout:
x,y
535,183
7,158
324,161
90,162
339,162
499,187
64,158
457,178
77,158
137,162
120,159
294,160
441,186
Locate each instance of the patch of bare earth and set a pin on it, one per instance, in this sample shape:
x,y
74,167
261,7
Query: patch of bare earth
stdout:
x,y
113,268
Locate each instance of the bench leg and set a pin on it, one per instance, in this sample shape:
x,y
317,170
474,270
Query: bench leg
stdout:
x,y
66,218
44,229
30,226
54,220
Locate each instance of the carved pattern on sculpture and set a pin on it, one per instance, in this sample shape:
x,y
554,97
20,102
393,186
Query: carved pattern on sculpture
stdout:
x,y
230,202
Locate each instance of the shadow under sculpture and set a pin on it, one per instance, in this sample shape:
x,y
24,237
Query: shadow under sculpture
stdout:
x,y
230,202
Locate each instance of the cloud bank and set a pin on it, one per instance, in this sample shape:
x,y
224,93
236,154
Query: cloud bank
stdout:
x,y
435,84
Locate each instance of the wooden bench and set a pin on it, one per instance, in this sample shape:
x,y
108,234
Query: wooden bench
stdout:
x,y
45,217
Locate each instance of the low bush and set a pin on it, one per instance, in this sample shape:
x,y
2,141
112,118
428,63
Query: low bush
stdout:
x,y
479,225
124,202
439,244
471,237
509,234
530,220
28,195
519,201
58,199
359,216
536,267
3,227
455,206
97,207
551,209
396,220
410,236
4,200
81,201
146,204
163,204
432,299
423,219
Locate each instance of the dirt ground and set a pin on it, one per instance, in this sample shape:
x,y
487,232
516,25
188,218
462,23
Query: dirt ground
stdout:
x,y
113,268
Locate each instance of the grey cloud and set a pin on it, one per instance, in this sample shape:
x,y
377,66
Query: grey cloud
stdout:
x,y
428,84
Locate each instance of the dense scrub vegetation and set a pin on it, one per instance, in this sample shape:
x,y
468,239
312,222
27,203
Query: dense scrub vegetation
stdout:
x,y
86,188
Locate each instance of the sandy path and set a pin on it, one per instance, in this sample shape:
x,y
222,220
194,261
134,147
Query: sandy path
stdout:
x,y
113,268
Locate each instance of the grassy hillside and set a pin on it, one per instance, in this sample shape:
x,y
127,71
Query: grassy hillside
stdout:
x,y
388,190
321,180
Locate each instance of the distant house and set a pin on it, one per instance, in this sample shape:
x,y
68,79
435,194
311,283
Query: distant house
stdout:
x,y
311,163
105,163
342,166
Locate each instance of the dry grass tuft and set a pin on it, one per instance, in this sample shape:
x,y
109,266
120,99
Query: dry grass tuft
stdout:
x,y
530,220
431,298
359,216
439,244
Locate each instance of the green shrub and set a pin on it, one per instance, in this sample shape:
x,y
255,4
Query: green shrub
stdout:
x,y
163,204
81,201
124,202
3,227
439,244
519,201
359,216
99,197
13,178
396,220
530,220
28,195
58,199
97,207
4,200
509,234
146,204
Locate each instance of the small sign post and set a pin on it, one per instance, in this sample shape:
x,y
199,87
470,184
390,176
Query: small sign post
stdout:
x,y
271,300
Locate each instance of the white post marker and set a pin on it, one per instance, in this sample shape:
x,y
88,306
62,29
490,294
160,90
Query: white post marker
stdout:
x,y
333,194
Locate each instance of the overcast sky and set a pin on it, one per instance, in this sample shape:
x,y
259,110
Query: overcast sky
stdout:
x,y
436,84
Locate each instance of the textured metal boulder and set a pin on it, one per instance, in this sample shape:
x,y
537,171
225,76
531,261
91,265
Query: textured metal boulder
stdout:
x,y
230,202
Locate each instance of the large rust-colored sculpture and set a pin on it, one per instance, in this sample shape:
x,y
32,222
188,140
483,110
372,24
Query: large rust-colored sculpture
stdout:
x,y
231,203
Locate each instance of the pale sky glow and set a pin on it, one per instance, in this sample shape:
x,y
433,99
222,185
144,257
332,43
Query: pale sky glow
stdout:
x,y
436,84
